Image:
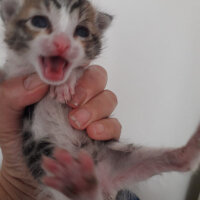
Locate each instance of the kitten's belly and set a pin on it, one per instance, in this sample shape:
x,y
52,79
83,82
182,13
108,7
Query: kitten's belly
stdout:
x,y
51,121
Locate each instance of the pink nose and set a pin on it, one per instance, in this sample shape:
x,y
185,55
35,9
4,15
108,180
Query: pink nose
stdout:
x,y
61,43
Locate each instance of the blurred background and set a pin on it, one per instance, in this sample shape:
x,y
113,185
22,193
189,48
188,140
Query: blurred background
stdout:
x,y
152,57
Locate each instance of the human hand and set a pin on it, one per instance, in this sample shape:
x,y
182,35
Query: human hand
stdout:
x,y
18,93
16,182
93,105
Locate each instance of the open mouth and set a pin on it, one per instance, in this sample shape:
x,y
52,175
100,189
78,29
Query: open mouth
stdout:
x,y
54,67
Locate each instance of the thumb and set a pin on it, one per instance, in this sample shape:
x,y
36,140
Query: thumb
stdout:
x,y
17,93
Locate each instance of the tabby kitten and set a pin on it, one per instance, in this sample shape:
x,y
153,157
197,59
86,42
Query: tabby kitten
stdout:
x,y
58,39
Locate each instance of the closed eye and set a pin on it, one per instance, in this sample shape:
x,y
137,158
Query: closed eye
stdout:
x,y
40,21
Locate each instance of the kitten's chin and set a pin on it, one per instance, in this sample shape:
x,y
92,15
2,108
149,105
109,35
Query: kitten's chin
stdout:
x,y
54,69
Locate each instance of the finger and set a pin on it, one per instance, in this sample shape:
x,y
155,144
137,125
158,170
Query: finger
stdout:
x,y
52,166
15,95
105,129
90,84
86,163
63,157
20,92
98,108
53,182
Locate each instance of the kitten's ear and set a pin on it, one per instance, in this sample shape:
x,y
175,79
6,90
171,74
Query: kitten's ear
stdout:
x,y
103,21
9,8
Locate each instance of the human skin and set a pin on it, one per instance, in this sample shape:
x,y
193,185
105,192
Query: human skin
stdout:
x,y
92,105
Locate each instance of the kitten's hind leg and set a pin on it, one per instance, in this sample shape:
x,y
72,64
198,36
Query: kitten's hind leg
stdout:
x,y
74,177
131,164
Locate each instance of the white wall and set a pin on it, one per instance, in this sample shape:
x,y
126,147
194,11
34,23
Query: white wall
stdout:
x,y
152,57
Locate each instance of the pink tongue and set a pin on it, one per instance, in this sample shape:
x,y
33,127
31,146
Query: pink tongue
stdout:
x,y
54,68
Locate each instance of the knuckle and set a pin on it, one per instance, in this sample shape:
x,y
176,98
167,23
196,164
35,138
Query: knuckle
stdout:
x,y
99,69
99,73
112,96
118,125
117,128
102,71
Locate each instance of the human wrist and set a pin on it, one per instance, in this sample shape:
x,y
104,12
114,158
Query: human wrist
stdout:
x,y
3,193
4,190
15,189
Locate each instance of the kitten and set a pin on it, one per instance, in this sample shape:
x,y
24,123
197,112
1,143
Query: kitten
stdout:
x,y
58,39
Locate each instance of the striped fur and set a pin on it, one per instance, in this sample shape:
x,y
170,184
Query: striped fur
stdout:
x,y
19,35
64,17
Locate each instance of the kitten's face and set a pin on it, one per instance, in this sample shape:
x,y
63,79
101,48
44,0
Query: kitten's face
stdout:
x,y
56,36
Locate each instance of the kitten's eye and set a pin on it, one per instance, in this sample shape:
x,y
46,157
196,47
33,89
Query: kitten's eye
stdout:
x,y
40,22
82,31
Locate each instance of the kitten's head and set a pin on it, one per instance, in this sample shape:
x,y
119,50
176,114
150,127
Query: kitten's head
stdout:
x,y
56,36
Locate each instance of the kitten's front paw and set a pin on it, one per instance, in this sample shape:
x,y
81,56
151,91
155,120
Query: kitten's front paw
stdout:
x,y
73,177
63,93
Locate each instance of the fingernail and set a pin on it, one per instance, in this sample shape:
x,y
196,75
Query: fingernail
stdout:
x,y
32,82
81,117
79,97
